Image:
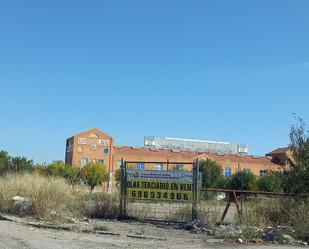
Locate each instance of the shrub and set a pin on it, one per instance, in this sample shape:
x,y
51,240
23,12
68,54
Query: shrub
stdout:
x,y
212,174
117,173
58,168
270,182
45,193
94,174
243,180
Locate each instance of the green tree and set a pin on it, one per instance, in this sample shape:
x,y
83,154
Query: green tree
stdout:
x,y
244,180
4,160
117,173
297,177
94,174
59,168
20,164
212,174
17,164
271,182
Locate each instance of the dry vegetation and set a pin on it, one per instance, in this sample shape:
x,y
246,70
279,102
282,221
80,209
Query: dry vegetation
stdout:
x,y
53,197
46,194
279,212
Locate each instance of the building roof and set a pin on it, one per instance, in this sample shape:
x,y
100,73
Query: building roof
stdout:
x,y
163,153
94,130
283,150
236,158
188,155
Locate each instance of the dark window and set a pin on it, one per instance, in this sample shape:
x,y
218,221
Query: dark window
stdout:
x,y
140,165
158,166
227,171
263,172
179,166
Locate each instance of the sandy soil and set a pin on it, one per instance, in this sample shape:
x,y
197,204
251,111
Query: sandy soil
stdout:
x,y
110,234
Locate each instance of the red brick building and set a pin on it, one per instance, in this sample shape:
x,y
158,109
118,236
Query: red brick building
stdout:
x,y
94,145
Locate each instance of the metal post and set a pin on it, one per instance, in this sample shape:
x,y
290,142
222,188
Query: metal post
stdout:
x,y
195,184
123,190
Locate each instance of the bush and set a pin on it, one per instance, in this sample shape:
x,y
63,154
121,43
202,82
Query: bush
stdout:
x,y
58,168
94,174
270,183
45,193
117,173
244,180
212,174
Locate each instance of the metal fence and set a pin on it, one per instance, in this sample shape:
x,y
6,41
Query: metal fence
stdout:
x,y
219,206
179,209
211,205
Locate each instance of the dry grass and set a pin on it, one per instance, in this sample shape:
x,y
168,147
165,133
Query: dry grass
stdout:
x,y
210,211
279,212
182,212
99,204
46,194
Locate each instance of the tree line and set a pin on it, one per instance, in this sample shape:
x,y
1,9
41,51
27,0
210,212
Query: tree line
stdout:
x,y
293,180
92,174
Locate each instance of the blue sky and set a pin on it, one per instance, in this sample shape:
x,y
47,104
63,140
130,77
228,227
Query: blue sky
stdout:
x,y
218,70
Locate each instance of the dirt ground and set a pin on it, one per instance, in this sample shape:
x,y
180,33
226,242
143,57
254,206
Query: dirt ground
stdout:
x,y
107,234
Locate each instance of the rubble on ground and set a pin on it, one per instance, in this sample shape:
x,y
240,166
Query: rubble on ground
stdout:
x,y
19,206
245,234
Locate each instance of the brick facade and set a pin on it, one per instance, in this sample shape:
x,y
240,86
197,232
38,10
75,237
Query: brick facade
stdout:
x,y
94,145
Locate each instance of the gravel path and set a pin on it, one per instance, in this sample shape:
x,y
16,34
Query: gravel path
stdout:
x,y
17,236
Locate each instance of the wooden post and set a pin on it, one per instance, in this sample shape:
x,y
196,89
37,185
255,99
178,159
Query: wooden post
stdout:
x,y
195,185
123,190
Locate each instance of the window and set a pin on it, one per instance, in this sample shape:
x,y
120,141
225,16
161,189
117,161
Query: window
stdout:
x,y
227,171
263,172
93,146
103,142
158,166
105,151
179,166
140,166
82,140
84,162
101,161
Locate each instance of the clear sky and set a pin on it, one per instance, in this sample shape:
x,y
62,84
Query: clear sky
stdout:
x,y
218,70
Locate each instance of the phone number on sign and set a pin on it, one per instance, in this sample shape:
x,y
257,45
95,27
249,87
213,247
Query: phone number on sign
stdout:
x,y
159,195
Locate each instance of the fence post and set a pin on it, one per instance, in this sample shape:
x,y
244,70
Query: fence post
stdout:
x,y
123,190
195,184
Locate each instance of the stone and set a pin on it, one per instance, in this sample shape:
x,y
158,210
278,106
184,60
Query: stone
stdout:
x,y
240,240
20,206
285,238
279,233
192,225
